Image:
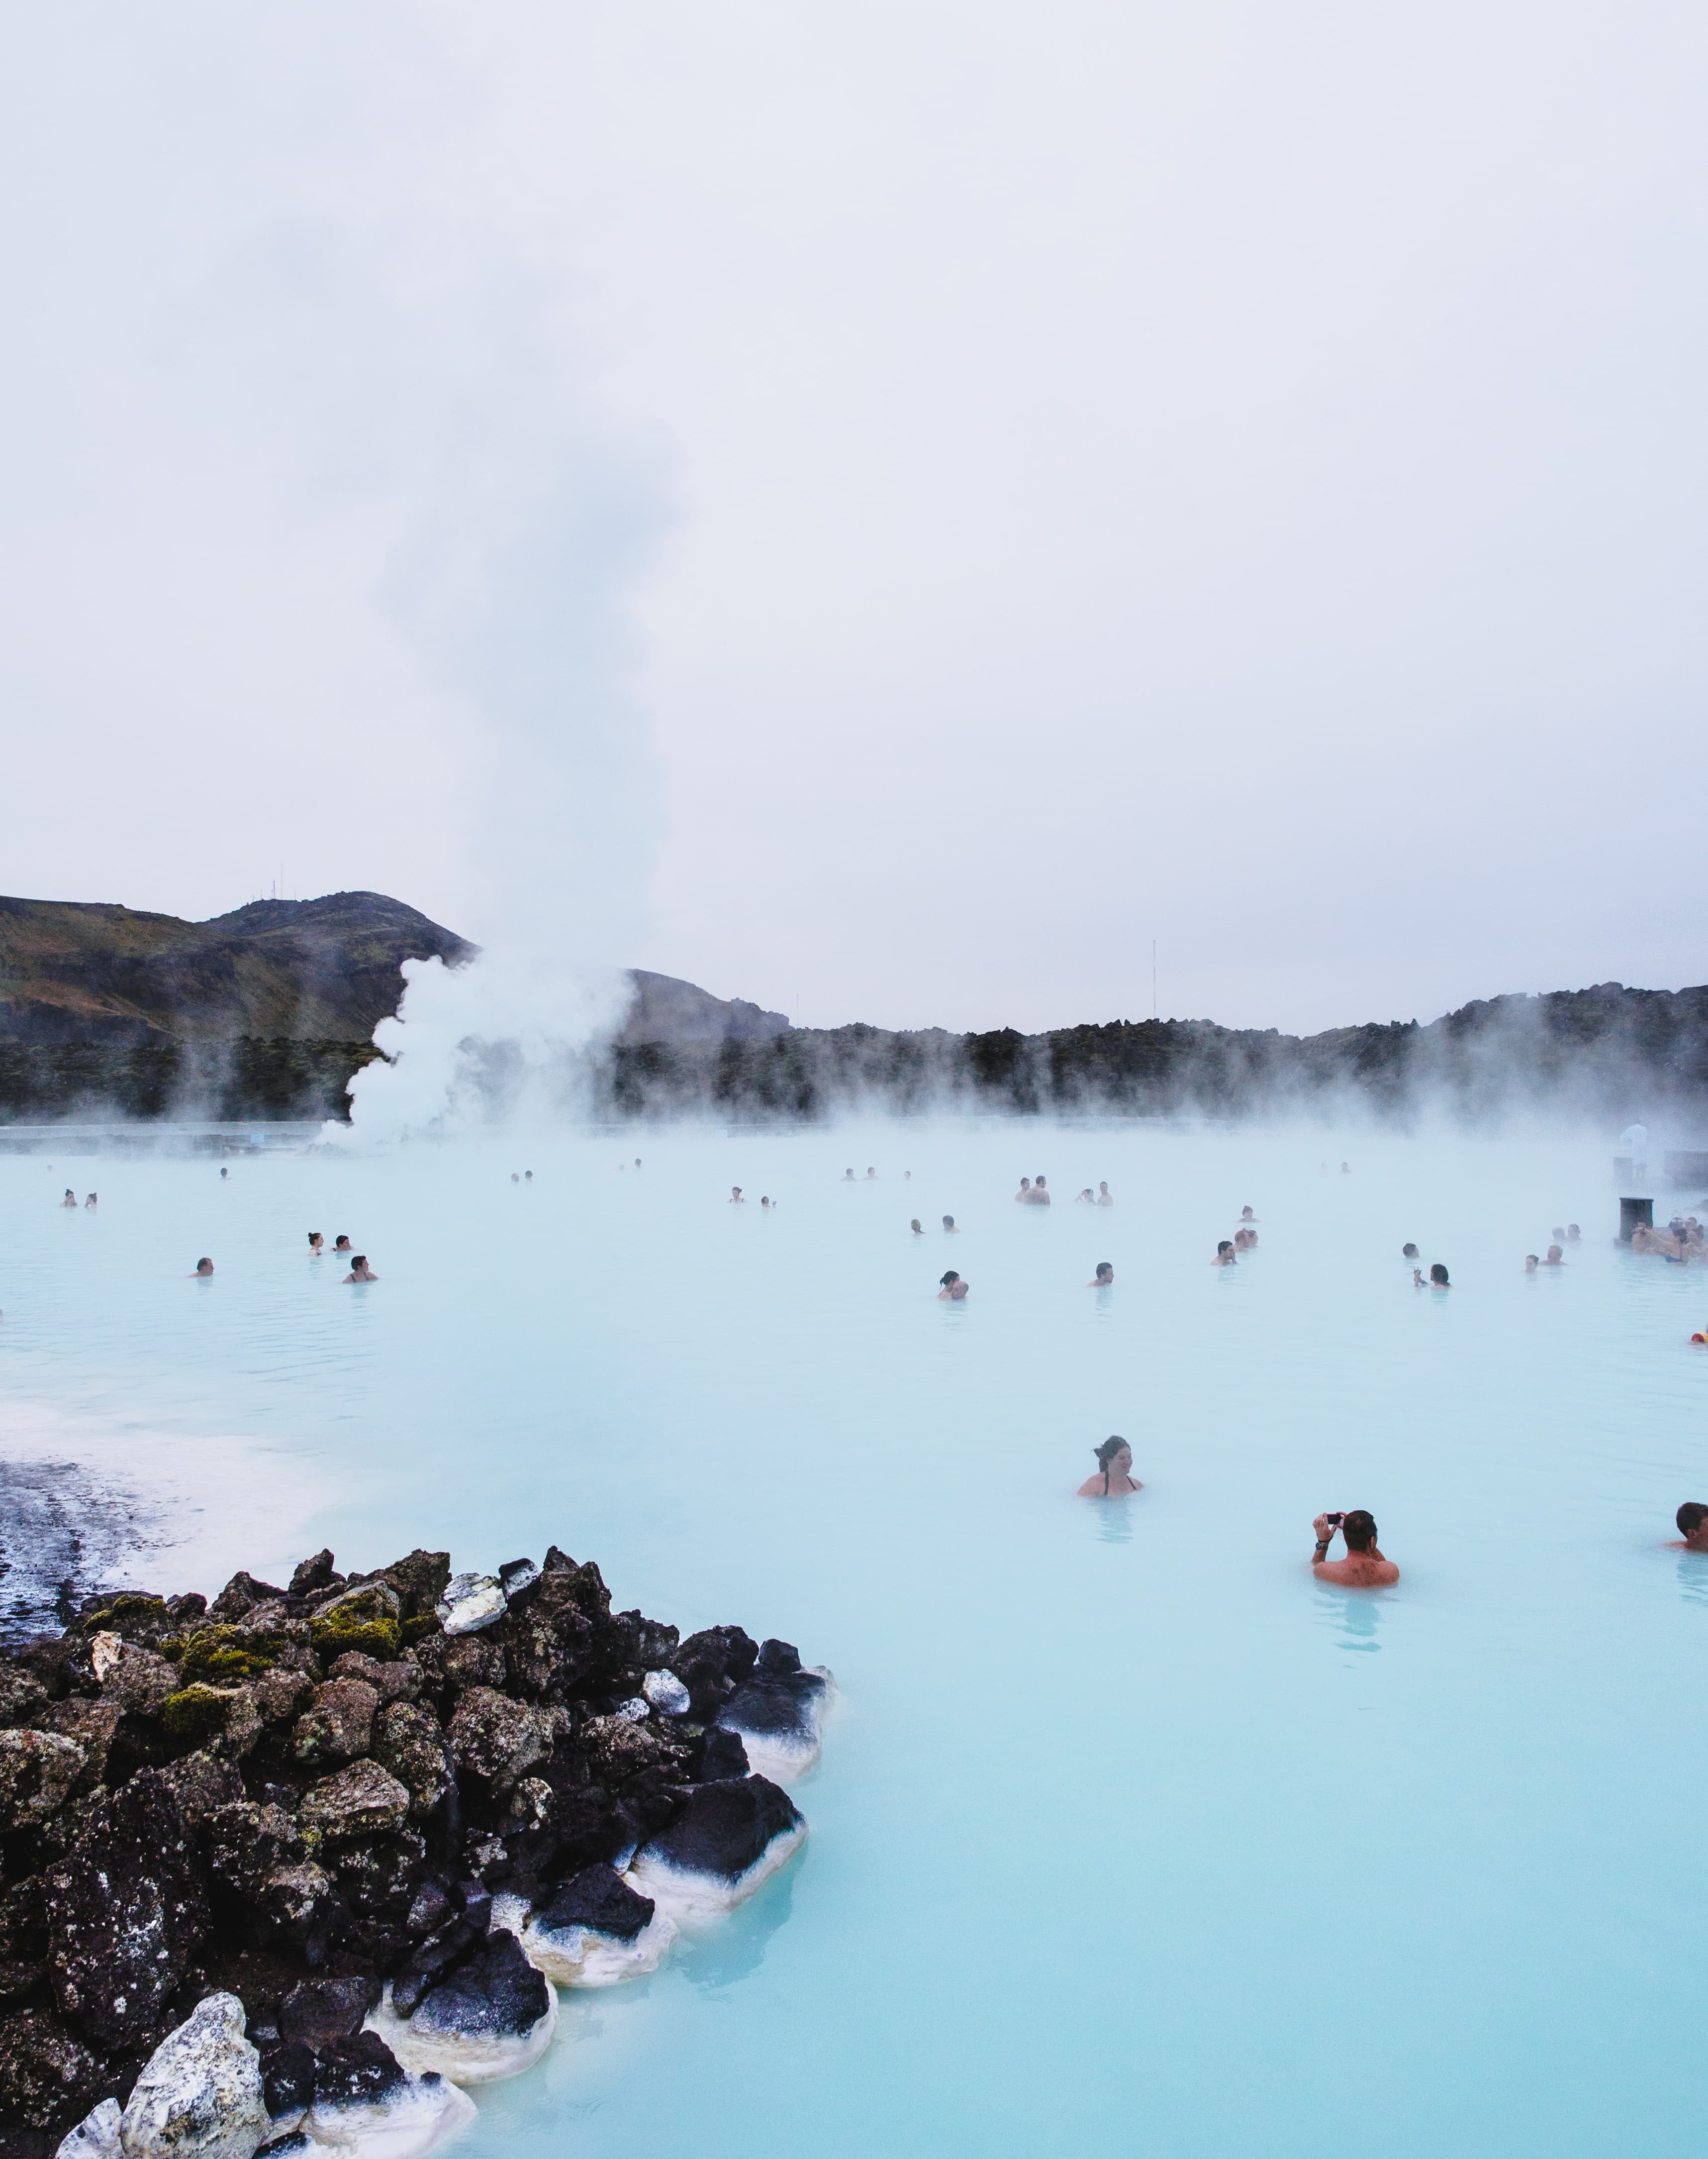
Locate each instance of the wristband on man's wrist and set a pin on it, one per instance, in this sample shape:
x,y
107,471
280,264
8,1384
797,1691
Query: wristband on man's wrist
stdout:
x,y
1322,1544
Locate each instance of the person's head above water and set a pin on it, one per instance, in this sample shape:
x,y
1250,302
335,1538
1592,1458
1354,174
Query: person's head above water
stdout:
x,y
949,1280
1408,1252
914,1226
340,1243
1226,1245
1691,1518
948,1221
1114,1479
1359,1528
1438,1275
1105,1273
1555,1256
1531,1263
1246,1214
204,1267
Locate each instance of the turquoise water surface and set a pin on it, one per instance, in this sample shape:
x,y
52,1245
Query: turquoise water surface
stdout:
x,y
1127,1837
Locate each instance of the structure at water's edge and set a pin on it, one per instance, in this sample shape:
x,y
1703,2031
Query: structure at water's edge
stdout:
x,y
295,1869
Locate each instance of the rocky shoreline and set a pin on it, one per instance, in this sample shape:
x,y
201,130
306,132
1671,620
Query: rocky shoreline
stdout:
x,y
291,1871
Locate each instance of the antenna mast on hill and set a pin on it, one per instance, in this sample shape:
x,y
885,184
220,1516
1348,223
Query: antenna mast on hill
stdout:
x,y
1153,978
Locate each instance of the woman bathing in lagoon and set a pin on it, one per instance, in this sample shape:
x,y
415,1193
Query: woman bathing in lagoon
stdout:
x,y
360,1271
1115,1478
953,1289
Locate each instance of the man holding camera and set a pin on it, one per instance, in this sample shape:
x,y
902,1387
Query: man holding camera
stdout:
x,y
1363,1567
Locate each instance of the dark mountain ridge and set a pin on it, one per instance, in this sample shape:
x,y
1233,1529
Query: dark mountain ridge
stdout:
x,y
268,1010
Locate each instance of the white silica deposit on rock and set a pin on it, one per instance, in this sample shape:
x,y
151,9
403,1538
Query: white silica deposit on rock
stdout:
x,y
597,1931
779,1713
200,2095
415,2117
493,2018
666,1693
96,2137
732,1835
471,1601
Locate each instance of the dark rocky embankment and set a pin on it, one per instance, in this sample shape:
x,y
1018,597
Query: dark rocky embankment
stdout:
x,y
251,1849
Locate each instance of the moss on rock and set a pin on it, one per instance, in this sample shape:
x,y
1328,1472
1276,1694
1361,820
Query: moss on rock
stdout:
x,y
132,1617
197,1712
225,1654
364,1619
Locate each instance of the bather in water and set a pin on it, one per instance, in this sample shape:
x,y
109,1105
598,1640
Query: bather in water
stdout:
x,y
1115,1478
360,1271
949,1228
735,1197
1025,1191
1555,1258
1692,1518
1104,1278
317,1245
1106,1197
953,1289
1363,1567
70,1198
1225,1255
204,1271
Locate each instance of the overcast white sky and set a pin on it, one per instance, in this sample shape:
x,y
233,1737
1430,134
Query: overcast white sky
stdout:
x,y
884,510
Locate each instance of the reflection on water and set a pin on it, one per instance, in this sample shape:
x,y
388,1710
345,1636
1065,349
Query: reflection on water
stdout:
x,y
736,1949
1355,1613
1693,1577
1114,1519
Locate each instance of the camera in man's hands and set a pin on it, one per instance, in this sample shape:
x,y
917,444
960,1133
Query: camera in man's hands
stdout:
x,y
1334,1520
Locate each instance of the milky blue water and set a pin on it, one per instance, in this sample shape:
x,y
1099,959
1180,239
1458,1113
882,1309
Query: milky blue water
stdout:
x,y
1128,1835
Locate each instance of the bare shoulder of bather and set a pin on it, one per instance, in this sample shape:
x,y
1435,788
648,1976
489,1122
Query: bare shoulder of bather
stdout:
x,y
1365,1569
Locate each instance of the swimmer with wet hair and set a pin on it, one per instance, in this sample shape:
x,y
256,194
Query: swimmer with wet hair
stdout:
x,y
766,1201
1555,1257
1025,1191
1083,1199
1106,1197
1245,1240
1346,1169
1226,1255
1363,1567
1438,1277
871,1175
1572,1232
914,1226
317,1245
953,1289
1692,1518
1115,1479
1531,1263
847,1177
340,1243
949,1228
360,1271
1408,1252
88,1203
735,1197
70,1198
1104,1278
1040,1197
1246,1214
204,1269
